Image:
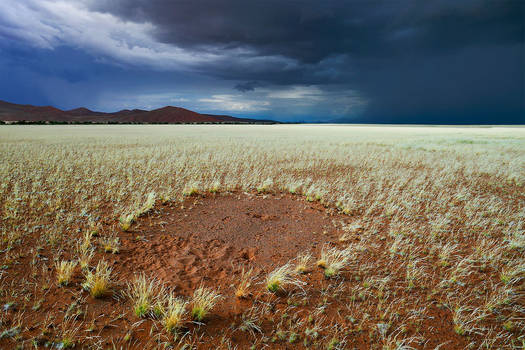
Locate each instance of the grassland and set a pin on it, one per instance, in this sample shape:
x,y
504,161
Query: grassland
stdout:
x,y
426,250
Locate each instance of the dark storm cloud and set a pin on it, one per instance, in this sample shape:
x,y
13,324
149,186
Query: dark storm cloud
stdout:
x,y
246,86
442,61
409,59
312,30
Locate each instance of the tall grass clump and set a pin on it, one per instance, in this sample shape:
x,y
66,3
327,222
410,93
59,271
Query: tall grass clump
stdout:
x,y
203,301
173,315
64,271
98,282
141,292
245,281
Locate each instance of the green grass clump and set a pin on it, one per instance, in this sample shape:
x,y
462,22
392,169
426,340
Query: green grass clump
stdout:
x,y
204,299
141,292
279,278
334,260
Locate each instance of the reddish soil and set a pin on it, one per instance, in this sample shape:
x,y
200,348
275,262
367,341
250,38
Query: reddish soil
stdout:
x,y
206,241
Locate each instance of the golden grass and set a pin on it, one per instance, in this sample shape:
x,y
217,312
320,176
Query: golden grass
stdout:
x,y
98,282
245,281
303,262
64,271
110,244
84,255
173,316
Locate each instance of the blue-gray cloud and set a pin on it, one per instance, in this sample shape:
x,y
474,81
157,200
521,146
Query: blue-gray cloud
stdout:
x,y
405,61
247,86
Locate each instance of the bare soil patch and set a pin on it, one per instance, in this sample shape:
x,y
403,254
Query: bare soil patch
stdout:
x,y
203,240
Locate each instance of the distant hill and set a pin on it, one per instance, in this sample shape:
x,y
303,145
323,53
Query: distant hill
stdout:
x,y
11,112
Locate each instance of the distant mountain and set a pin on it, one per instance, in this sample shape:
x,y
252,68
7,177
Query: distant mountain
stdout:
x,y
82,111
11,112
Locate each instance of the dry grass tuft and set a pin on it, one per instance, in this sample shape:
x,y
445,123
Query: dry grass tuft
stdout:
x,y
110,244
98,282
141,292
191,189
334,260
148,205
125,221
203,301
65,270
278,279
84,255
303,263
173,315
512,273
245,282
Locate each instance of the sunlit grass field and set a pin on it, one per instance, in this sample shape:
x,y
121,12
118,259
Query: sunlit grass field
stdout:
x,y
450,202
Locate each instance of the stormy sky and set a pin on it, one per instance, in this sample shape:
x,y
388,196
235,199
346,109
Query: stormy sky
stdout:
x,y
391,61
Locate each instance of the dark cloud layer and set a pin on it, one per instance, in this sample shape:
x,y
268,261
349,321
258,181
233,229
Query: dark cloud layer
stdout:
x,y
313,30
441,61
246,86
410,59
